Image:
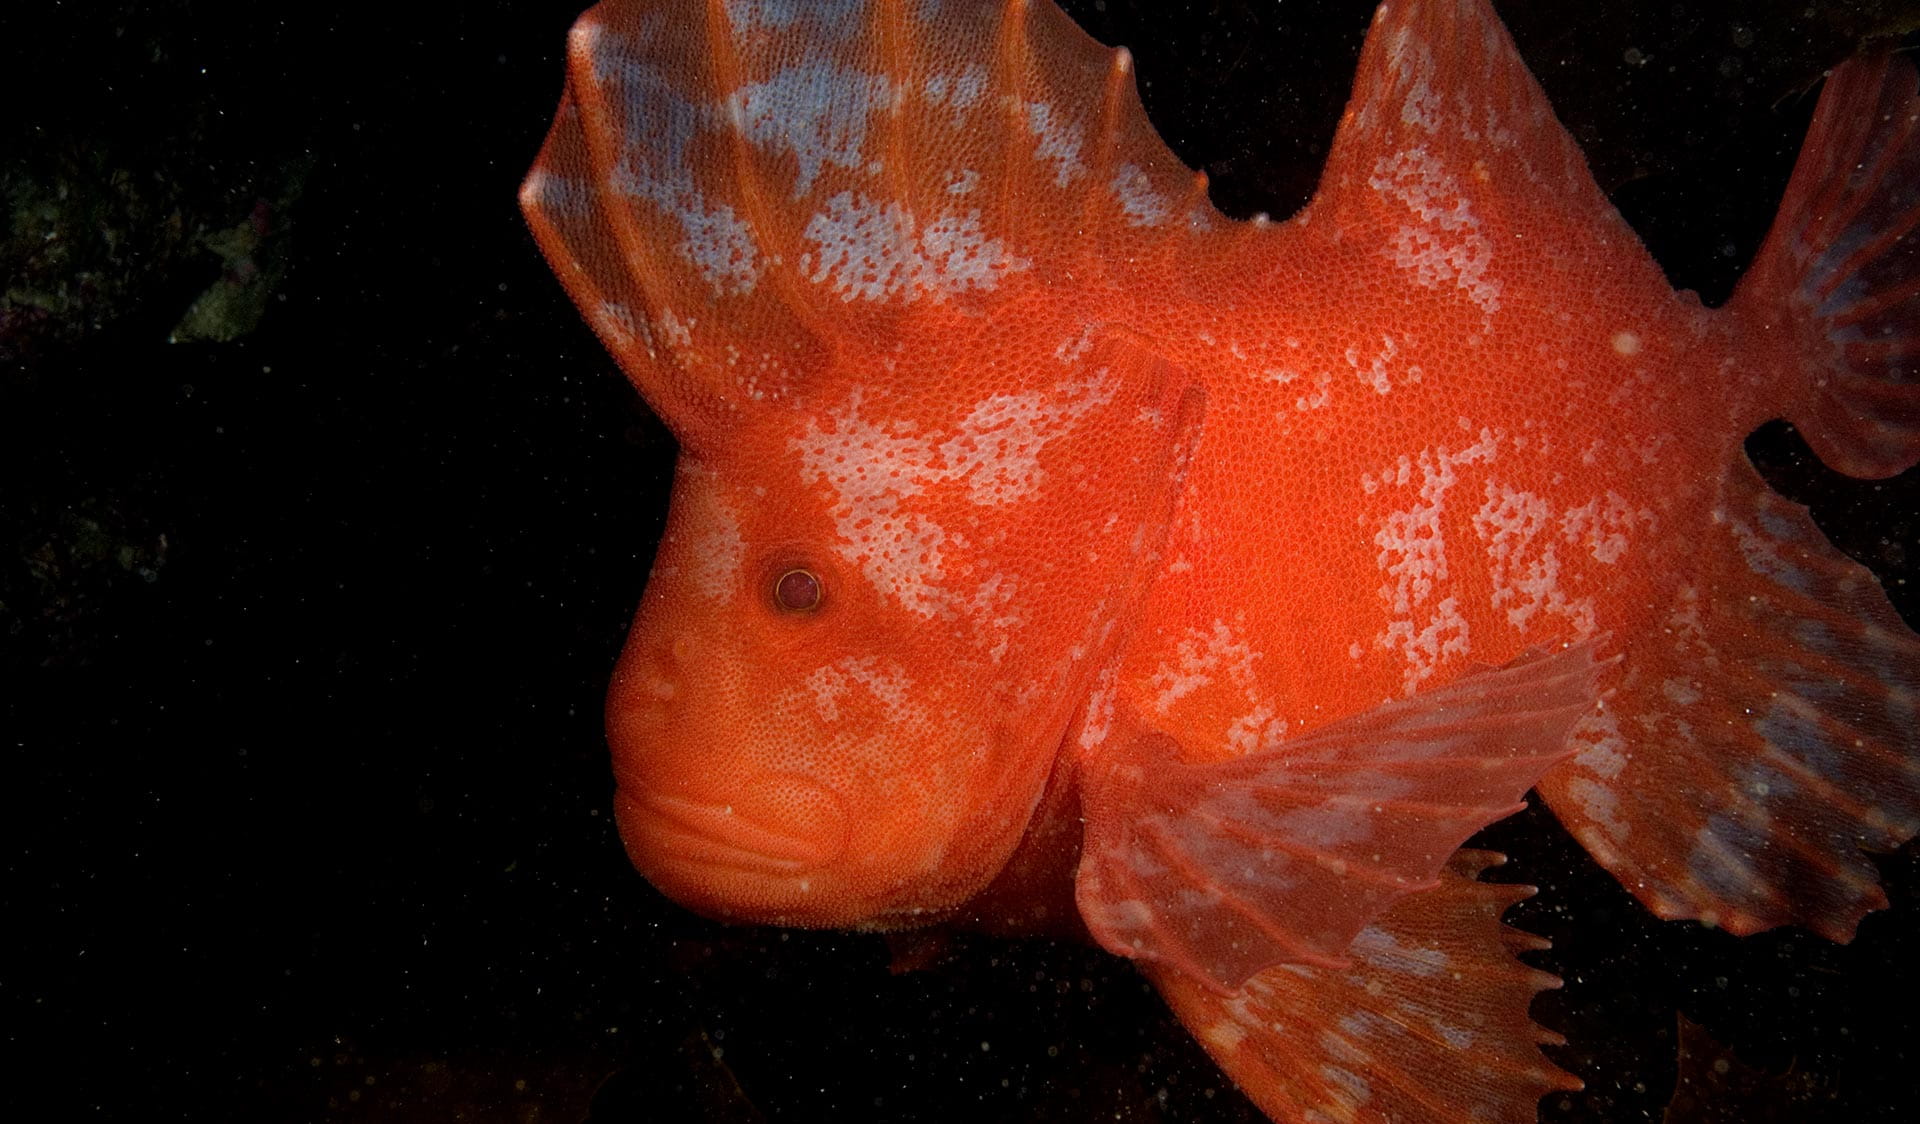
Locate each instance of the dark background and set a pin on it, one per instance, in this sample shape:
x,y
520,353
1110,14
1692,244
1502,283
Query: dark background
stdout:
x,y
308,597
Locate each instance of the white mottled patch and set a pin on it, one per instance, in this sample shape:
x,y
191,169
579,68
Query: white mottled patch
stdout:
x,y
717,550
876,470
828,684
1446,244
558,195
720,245
1377,372
1099,720
1073,349
1058,142
1604,751
1224,1035
1220,654
1599,804
1198,657
963,182
997,448
1320,396
1410,63
1141,205
1626,342
873,469
1603,756
1425,625
615,321
674,330
1684,622
874,251
957,91
1257,730
1523,560
1335,822
1382,949
717,243
889,685
1605,525
658,122
761,16
1354,1086
991,607
817,112
1130,915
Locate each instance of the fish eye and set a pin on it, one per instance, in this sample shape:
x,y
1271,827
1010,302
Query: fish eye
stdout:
x,y
798,590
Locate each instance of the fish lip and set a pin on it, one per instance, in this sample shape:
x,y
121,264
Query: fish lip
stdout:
x,y
723,835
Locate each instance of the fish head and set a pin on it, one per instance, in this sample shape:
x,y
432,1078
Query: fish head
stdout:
x,y
874,616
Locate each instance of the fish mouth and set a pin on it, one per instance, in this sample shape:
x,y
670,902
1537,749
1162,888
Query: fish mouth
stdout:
x,y
779,827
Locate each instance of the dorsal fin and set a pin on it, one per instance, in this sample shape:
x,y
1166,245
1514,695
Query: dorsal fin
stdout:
x,y
738,191
1450,154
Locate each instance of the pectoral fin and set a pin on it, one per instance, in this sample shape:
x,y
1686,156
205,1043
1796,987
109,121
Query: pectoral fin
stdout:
x,y
1218,870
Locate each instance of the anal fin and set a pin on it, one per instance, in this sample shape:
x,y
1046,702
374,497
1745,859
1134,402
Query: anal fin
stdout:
x,y
1762,738
1429,1023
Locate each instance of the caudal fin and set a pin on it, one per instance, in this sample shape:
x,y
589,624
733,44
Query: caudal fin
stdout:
x,y
1764,737
1429,1023
1834,293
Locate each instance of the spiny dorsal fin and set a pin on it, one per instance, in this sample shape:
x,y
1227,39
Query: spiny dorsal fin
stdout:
x,y
738,192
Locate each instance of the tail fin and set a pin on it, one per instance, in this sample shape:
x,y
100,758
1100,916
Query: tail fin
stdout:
x,y
1836,285
1760,735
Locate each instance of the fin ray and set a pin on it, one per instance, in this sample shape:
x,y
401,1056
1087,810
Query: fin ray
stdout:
x,y
1764,740
773,188
1311,856
1428,1022
1835,287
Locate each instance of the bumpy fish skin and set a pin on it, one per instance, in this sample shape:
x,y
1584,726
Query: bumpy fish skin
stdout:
x,y
1041,534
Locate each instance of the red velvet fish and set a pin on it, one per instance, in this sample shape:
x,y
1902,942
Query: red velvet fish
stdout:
x,y
1049,553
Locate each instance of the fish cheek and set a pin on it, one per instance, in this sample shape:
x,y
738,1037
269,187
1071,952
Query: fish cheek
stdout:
x,y
868,707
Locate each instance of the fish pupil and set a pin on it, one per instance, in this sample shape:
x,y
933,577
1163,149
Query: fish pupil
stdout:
x,y
797,591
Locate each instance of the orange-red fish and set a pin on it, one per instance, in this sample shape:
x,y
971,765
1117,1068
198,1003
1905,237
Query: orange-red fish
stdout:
x,y
1049,553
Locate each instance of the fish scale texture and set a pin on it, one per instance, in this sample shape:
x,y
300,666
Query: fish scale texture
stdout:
x,y
1111,504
